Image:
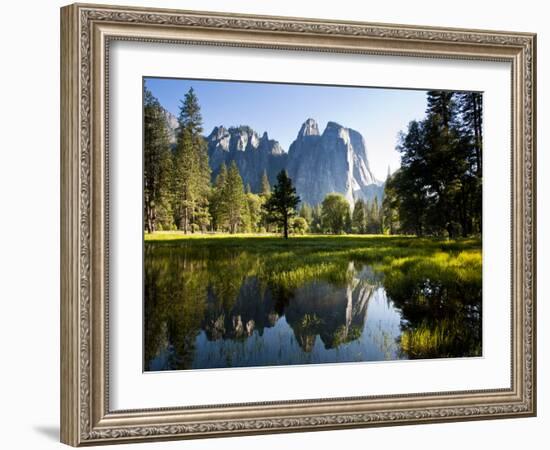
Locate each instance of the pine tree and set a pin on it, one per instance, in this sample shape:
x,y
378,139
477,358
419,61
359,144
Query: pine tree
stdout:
x,y
234,205
470,106
281,205
316,225
390,208
375,214
437,190
156,161
471,145
216,199
306,212
202,216
442,106
444,161
266,187
359,217
347,222
265,193
373,217
191,182
410,181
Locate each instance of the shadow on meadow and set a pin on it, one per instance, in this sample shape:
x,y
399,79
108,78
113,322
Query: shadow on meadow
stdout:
x,y
231,287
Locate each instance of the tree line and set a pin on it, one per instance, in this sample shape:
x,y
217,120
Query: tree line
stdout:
x,y
335,215
179,193
438,188
436,191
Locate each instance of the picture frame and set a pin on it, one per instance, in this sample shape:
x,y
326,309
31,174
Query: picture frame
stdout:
x,y
87,32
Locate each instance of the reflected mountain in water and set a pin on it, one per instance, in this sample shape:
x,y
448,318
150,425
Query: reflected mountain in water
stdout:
x,y
208,308
337,315
316,309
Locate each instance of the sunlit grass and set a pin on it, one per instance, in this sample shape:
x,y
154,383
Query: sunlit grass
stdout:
x,y
437,341
427,342
293,262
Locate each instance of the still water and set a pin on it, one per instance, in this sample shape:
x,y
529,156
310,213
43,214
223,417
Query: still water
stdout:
x,y
213,308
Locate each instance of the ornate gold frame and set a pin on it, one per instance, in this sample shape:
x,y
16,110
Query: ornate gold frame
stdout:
x,y
86,31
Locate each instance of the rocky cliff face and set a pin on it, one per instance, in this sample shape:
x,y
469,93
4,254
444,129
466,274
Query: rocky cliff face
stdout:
x,y
253,154
172,123
334,161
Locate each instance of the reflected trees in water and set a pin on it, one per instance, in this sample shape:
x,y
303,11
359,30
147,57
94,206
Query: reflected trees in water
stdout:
x,y
245,302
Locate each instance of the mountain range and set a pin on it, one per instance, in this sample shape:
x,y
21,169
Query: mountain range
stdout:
x,y
318,163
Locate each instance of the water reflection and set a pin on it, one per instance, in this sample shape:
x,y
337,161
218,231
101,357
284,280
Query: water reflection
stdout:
x,y
207,308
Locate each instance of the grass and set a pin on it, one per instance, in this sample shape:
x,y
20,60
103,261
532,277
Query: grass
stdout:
x,y
426,341
296,260
312,241
439,341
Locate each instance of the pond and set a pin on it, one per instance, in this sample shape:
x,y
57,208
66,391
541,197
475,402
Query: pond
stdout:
x,y
211,305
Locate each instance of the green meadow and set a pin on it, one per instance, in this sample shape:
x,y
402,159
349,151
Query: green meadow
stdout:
x,y
303,258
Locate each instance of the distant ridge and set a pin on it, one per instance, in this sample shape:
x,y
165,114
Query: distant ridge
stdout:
x,y
335,160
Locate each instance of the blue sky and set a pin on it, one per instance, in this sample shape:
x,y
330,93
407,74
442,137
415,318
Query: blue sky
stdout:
x,y
280,109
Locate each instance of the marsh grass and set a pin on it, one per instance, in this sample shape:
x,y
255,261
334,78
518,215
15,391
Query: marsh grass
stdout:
x,y
300,259
436,283
439,341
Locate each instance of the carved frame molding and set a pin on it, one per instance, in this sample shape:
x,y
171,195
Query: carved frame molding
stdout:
x,y
86,31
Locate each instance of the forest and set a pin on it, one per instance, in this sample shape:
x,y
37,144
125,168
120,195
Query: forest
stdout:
x,y
437,191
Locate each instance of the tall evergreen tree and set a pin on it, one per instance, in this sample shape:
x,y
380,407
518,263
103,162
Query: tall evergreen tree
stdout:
x,y
347,222
191,182
281,205
234,204
359,217
266,187
265,193
156,160
390,208
216,199
373,217
437,190
316,225
306,212
442,106
409,181
443,161
470,105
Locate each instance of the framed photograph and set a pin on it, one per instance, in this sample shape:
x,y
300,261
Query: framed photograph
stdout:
x,y
278,224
